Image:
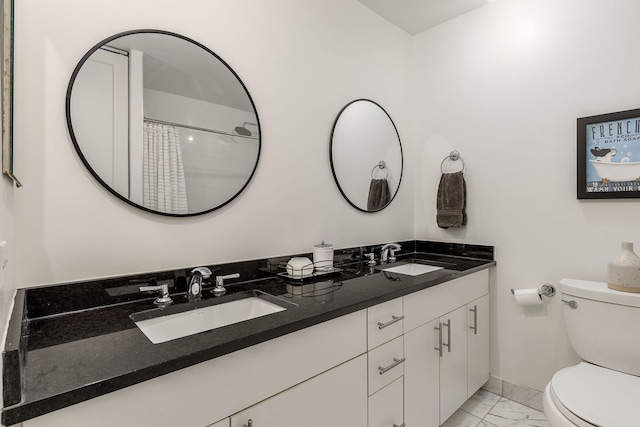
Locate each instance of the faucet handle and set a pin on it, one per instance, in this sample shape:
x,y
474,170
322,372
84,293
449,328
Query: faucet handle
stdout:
x,y
204,271
220,279
163,289
372,258
219,290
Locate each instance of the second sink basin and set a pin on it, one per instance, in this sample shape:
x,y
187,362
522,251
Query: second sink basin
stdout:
x,y
412,269
166,328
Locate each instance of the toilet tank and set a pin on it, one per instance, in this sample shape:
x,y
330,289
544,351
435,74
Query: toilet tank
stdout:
x,y
604,328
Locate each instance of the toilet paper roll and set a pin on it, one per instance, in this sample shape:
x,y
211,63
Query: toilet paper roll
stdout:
x,y
527,296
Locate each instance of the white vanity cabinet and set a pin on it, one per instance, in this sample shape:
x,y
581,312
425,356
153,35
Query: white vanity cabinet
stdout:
x,y
334,398
447,361
210,391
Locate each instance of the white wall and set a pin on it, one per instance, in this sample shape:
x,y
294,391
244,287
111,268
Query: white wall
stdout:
x,y
7,253
301,60
504,85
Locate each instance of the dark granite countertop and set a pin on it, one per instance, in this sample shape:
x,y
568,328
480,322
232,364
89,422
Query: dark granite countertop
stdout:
x,y
69,343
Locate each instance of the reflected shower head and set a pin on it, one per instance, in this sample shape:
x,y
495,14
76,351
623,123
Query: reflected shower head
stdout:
x,y
242,130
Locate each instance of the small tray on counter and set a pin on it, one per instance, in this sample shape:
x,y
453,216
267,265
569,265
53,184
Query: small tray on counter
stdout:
x,y
315,274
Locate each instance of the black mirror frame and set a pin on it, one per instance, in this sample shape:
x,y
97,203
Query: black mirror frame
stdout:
x,y
93,172
333,171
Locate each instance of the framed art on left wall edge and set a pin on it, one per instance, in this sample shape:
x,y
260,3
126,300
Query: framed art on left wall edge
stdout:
x,y
6,10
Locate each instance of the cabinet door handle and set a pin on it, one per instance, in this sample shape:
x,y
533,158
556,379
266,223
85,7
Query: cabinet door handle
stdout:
x,y
448,343
248,424
393,320
475,320
439,329
396,425
395,363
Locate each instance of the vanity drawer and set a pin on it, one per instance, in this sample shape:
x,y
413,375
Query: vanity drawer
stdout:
x,y
385,364
386,406
384,322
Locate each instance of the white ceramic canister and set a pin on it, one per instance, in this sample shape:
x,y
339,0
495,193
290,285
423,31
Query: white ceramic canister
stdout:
x,y
323,256
624,272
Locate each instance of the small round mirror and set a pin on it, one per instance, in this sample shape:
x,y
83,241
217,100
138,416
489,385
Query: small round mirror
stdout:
x,y
366,155
163,123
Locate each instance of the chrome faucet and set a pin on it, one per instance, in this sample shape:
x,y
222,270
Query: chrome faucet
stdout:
x,y
195,283
389,248
219,290
164,298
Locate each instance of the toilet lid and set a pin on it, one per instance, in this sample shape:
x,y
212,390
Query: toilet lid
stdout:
x,y
599,396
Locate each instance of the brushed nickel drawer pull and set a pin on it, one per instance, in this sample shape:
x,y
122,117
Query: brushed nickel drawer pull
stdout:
x,y
448,343
439,329
393,320
475,320
395,363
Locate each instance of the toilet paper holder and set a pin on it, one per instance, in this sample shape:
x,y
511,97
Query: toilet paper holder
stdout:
x,y
546,290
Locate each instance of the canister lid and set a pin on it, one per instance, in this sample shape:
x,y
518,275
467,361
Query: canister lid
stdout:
x,y
323,245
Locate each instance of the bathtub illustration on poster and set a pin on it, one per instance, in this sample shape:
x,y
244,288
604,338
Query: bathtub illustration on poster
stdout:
x,y
617,171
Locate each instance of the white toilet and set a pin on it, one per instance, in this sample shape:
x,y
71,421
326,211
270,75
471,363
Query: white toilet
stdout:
x,y
604,329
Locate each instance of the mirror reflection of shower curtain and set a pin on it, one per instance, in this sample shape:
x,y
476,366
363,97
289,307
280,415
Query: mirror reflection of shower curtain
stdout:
x,y
164,187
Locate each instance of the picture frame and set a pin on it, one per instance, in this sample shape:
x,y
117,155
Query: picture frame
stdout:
x,y
6,12
608,155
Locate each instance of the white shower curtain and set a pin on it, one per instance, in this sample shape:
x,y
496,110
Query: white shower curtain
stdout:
x,y
164,187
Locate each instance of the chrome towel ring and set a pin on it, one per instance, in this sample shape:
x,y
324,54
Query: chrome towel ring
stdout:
x,y
453,156
382,165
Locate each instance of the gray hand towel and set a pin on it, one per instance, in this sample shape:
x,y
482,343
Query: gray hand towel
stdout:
x,y
451,201
379,194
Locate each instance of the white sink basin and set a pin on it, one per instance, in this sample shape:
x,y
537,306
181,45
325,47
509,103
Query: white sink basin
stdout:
x,y
167,328
412,269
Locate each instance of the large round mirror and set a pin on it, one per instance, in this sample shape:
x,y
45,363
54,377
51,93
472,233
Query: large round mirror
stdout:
x,y
163,123
366,155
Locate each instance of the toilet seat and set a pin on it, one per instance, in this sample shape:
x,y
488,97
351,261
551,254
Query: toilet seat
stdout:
x,y
589,395
557,414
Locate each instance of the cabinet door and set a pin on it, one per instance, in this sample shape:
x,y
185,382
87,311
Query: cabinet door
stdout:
x,y
453,363
337,397
422,376
478,351
385,407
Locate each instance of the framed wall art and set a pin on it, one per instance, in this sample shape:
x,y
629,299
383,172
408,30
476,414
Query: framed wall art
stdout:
x,y
609,155
6,18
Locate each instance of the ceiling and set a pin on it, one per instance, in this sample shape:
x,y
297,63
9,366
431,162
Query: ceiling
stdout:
x,y
415,16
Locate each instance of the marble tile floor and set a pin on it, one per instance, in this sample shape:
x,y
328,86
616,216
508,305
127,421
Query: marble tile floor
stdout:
x,y
486,409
